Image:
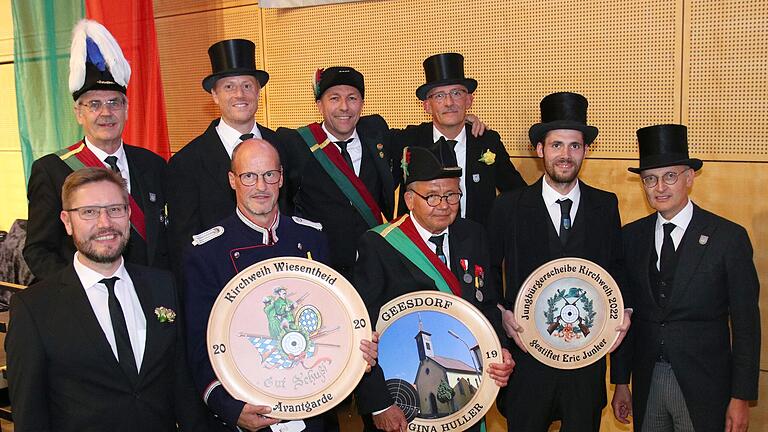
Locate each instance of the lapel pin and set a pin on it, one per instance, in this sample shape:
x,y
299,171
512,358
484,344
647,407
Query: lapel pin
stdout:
x,y
379,146
703,240
152,197
236,255
299,246
479,295
381,154
476,178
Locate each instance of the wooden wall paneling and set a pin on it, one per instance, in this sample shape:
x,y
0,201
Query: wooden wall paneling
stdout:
x,y
725,80
183,42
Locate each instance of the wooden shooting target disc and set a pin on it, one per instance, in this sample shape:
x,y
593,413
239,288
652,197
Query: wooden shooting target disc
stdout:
x,y
286,333
569,309
434,349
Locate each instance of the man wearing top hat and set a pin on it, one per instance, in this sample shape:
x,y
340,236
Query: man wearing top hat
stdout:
x,y
347,184
693,352
429,248
198,188
558,216
485,163
98,80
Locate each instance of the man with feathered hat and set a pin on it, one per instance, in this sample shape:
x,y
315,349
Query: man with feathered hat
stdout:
x,y
430,248
558,216
339,172
98,80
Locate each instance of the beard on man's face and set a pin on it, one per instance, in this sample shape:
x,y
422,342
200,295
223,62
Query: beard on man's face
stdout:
x,y
90,250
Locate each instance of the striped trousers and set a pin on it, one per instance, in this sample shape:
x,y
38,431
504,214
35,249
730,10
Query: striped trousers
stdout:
x,y
666,410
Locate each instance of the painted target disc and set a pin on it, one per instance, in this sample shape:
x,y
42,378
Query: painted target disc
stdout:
x,y
569,309
286,333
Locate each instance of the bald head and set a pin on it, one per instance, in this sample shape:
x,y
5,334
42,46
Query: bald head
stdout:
x,y
256,177
251,148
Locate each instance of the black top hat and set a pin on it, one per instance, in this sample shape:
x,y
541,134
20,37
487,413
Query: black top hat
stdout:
x,y
338,75
563,110
424,164
444,69
663,146
233,57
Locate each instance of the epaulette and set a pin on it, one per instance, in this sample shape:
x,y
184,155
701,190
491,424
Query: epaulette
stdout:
x,y
316,225
206,236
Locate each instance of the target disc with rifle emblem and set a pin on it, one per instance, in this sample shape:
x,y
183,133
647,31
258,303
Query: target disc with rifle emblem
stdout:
x,y
286,333
569,309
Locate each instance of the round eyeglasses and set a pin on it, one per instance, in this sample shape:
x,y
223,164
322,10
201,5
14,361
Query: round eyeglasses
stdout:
x,y
452,198
669,178
251,178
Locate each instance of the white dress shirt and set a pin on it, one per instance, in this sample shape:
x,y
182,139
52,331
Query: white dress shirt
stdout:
x,y
552,200
129,301
354,148
122,160
681,221
230,137
461,159
425,235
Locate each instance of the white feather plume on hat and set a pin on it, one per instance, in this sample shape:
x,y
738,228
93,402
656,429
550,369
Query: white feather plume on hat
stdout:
x,y
113,56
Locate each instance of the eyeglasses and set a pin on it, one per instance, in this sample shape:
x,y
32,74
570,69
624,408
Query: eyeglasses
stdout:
x,y
669,178
114,211
440,96
452,198
95,105
251,178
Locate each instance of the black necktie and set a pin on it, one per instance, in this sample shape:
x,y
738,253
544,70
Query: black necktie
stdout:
x,y
667,249
438,242
344,153
112,162
447,150
123,341
247,136
565,219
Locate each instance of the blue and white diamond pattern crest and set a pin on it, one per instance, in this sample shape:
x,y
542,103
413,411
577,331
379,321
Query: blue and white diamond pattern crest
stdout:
x,y
273,357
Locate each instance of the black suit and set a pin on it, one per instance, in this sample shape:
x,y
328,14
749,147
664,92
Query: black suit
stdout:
x,y
49,249
715,285
382,273
501,175
524,239
63,375
199,195
315,196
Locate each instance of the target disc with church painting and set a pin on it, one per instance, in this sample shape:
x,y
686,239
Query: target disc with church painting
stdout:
x,y
286,333
434,349
569,309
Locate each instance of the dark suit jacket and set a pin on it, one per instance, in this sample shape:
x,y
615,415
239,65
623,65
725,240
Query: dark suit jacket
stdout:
x,y
315,196
715,286
49,249
198,188
501,175
63,375
521,229
382,273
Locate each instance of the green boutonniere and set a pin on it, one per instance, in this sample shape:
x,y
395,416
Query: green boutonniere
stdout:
x,y
165,315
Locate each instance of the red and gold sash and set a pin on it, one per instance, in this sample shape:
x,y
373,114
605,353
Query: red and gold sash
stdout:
x,y
341,173
401,234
